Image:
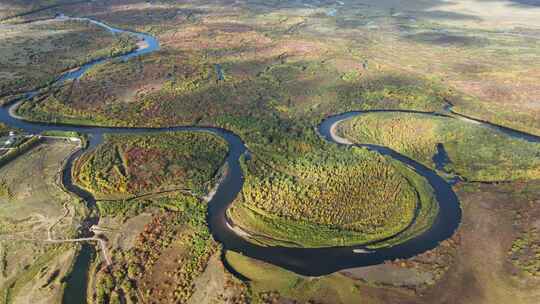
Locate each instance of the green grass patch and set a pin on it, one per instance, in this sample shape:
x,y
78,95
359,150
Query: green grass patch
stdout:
x,y
269,281
61,133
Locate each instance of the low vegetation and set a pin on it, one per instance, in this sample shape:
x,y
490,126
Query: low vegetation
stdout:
x,y
37,271
23,146
34,207
168,255
132,165
475,152
30,205
4,189
525,252
390,89
34,54
271,284
19,8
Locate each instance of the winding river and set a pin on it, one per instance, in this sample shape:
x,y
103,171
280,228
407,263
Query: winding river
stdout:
x,y
305,261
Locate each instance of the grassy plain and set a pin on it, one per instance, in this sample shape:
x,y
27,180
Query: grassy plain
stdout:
x,y
271,284
33,54
475,152
32,209
17,9
485,263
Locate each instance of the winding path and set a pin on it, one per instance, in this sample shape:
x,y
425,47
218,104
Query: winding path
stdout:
x,y
306,261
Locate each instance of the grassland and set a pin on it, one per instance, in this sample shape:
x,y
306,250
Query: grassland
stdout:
x,y
475,152
22,145
32,209
505,213
525,252
36,201
132,165
271,284
33,54
20,8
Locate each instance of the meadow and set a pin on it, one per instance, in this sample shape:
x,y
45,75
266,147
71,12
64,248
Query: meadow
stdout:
x,y
475,152
271,284
33,54
34,208
525,251
19,8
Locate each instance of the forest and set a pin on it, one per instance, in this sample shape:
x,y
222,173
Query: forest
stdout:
x,y
131,165
330,196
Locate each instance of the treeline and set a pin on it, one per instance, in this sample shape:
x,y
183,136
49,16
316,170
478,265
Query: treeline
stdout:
x,y
393,91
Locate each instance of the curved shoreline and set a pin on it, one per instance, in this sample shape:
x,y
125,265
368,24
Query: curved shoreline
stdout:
x,y
305,261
